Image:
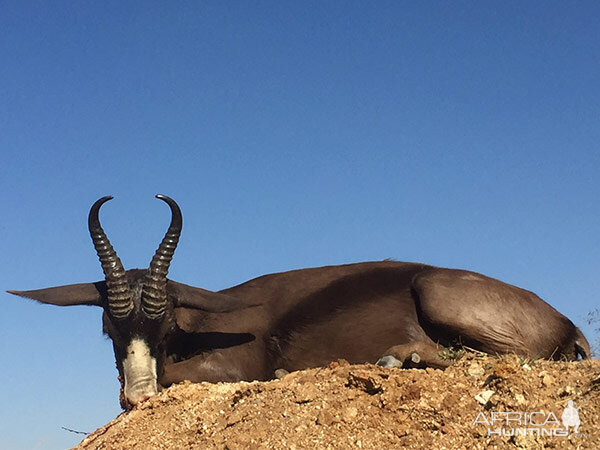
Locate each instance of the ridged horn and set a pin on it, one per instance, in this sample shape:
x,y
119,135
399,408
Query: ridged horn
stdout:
x,y
120,302
154,292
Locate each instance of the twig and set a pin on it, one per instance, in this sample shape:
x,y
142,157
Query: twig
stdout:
x,y
75,431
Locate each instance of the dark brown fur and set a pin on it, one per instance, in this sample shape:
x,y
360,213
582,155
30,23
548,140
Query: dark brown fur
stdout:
x,y
360,312
307,318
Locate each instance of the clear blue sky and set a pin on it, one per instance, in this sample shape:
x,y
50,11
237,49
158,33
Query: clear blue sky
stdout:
x,y
292,134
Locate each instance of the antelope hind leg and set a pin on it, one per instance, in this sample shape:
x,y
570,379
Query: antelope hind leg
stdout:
x,y
414,355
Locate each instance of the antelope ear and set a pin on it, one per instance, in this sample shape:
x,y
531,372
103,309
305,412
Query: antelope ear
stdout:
x,y
68,295
209,301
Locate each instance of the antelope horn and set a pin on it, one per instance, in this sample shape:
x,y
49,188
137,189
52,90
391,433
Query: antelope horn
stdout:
x,y
120,303
154,291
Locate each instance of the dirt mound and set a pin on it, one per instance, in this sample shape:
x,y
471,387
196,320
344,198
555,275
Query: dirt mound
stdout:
x,y
367,406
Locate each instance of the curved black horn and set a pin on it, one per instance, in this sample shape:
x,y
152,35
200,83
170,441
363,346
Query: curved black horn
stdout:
x,y
120,303
154,292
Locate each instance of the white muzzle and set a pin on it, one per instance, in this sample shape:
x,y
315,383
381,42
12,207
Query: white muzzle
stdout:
x,y
139,369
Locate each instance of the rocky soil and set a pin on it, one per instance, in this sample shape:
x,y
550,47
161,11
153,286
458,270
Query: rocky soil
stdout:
x,y
365,406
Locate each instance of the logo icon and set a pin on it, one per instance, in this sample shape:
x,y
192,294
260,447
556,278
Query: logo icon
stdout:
x,y
570,416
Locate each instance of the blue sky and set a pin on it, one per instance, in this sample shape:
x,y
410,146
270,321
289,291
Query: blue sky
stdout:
x,y
292,134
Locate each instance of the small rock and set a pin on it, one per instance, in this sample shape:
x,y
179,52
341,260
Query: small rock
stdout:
x,y
364,381
305,393
349,414
475,370
484,396
338,363
566,391
525,441
234,418
447,429
503,371
402,430
423,403
411,392
402,417
326,418
547,380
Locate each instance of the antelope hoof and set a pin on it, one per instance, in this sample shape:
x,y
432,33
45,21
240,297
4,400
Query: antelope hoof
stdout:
x,y
280,373
415,358
389,361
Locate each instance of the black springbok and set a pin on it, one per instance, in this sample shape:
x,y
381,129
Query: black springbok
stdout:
x,y
397,313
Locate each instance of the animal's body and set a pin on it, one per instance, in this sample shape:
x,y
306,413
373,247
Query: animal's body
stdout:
x,y
359,312
165,332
